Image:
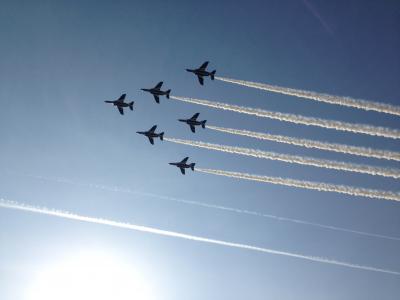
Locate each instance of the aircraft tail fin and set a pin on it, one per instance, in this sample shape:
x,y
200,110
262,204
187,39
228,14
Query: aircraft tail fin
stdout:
x,y
162,136
131,105
212,74
203,123
192,166
169,91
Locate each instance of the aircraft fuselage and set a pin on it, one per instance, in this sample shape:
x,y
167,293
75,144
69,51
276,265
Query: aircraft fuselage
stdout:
x,y
123,104
118,103
191,122
180,165
149,134
199,72
155,92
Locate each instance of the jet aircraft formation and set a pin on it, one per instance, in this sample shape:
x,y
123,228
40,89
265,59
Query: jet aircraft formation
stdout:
x,y
120,103
192,122
151,134
201,72
156,91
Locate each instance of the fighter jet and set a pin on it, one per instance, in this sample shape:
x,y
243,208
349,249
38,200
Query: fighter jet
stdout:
x,y
201,72
151,134
120,104
192,122
157,92
183,165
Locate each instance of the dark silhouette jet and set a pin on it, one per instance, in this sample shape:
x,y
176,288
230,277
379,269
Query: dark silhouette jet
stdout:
x,y
120,104
201,72
183,165
151,134
192,122
157,92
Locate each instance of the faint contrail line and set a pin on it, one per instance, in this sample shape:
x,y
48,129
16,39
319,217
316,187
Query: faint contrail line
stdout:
x,y
341,148
67,215
118,189
297,119
319,186
344,101
294,159
316,14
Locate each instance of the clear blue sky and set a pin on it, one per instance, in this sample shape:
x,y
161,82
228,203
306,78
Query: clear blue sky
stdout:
x,y
59,61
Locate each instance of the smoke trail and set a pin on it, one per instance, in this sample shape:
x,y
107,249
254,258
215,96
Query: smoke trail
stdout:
x,y
294,159
298,119
319,186
361,151
212,206
344,101
67,215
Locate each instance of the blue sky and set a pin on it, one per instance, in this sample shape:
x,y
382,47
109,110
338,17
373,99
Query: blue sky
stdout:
x,y
59,61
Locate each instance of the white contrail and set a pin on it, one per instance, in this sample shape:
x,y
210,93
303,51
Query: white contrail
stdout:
x,y
341,148
294,159
212,206
344,101
67,215
298,119
319,186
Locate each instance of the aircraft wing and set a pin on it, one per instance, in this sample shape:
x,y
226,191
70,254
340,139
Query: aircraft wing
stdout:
x,y
184,161
158,86
151,140
122,97
152,129
192,128
201,80
204,66
182,171
195,116
121,110
157,98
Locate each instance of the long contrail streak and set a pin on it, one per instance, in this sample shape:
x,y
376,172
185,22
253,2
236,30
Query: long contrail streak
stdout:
x,y
295,159
146,229
319,186
344,101
213,206
297,119
341,148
